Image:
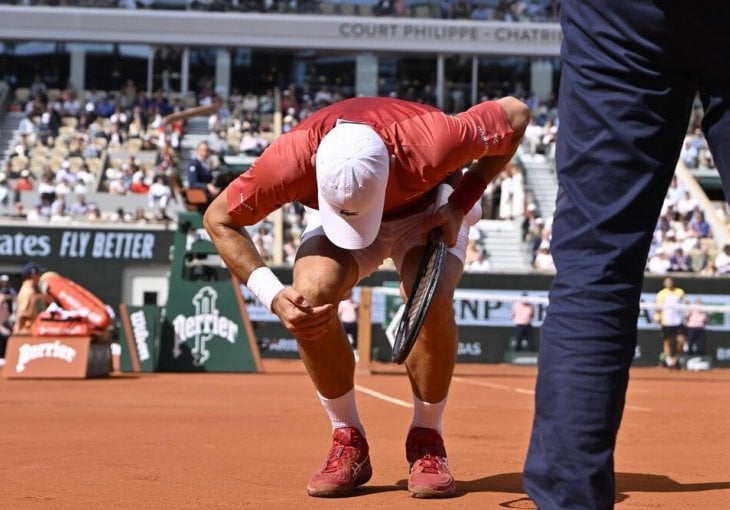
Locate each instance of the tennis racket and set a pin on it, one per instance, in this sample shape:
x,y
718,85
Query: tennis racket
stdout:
x,y
419,300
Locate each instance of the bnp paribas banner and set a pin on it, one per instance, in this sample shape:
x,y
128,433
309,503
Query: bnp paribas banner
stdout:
x,y
474,307
485,324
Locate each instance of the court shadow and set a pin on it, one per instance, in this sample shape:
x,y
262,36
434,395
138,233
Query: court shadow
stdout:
x,y
646,482
366,490
625,483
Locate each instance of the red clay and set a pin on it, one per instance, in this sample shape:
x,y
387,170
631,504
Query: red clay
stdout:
x,y
220,441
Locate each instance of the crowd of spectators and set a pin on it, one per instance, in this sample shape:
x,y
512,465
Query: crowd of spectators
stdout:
x,y
74,143
497,10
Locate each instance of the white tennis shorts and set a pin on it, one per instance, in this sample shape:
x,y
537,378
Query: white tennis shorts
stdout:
x,y
395,239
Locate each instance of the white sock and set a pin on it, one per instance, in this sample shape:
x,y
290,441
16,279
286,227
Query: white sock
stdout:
x,y
342,411
428,415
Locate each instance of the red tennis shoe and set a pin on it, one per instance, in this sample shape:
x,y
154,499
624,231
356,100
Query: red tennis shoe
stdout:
x,y
430,476
347,466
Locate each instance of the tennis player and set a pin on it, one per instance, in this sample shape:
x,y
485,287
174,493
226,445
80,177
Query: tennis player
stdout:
x,y
369,169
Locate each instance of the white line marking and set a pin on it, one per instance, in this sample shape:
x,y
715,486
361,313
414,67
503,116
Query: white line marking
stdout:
x,y
493,385
530,392
637,408
382,396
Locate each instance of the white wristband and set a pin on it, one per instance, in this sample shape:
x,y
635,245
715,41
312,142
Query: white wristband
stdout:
x,y
264,284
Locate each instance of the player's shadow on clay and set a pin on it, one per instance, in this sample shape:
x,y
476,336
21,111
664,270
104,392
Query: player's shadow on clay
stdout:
x,y
512,483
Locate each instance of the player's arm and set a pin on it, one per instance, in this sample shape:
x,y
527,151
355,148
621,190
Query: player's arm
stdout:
x,y
196,111
236,248
481,172
518,116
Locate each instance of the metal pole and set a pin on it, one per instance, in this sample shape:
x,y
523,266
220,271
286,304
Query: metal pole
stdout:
x,y
474,79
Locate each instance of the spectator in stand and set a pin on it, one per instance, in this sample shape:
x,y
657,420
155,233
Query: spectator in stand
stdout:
x,y
687,238
80,208
41,212
703,259
659,263
722,261
50,123
480,12
289,122
473,248
71,104
27,125
687,204
674,193
94,213
266,102
689,154
166,160
159,104
461,10
105,105
140,182
47,186
264,242
533,136
60,210
84,179
699,225
5,191
202,170
679,262
544,259
115,181
697,320
136,125
505,196
481,264
38,88
251,144
250,102
158,197
25,182
63,174
669,243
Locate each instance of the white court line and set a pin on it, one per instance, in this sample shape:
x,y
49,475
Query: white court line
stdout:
x,y
383,396
528,392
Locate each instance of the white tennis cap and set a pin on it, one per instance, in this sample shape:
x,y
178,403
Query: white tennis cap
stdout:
x,y
352,175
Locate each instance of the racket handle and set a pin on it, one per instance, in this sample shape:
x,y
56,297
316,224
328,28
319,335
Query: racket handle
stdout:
x,y
435,235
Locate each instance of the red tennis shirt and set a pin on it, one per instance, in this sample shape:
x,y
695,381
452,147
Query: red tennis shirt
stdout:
x,y
427,146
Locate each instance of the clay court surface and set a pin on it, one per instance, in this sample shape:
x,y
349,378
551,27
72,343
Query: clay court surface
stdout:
x,y
220,441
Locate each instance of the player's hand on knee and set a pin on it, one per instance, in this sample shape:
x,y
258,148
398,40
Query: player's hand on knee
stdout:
x,y
304,321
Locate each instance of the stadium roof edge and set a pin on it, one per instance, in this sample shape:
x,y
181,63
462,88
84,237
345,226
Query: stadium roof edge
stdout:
x,y
282,31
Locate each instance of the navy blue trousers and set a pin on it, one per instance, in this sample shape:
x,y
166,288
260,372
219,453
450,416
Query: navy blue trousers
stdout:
x,y
630,72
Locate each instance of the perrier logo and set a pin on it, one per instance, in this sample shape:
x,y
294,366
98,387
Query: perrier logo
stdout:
x,y
203,326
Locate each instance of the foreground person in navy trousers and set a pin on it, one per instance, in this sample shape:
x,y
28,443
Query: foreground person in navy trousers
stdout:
x,y
631,70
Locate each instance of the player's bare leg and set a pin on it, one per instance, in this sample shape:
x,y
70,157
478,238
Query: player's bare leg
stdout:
x,y
431,362
430,366
323,274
